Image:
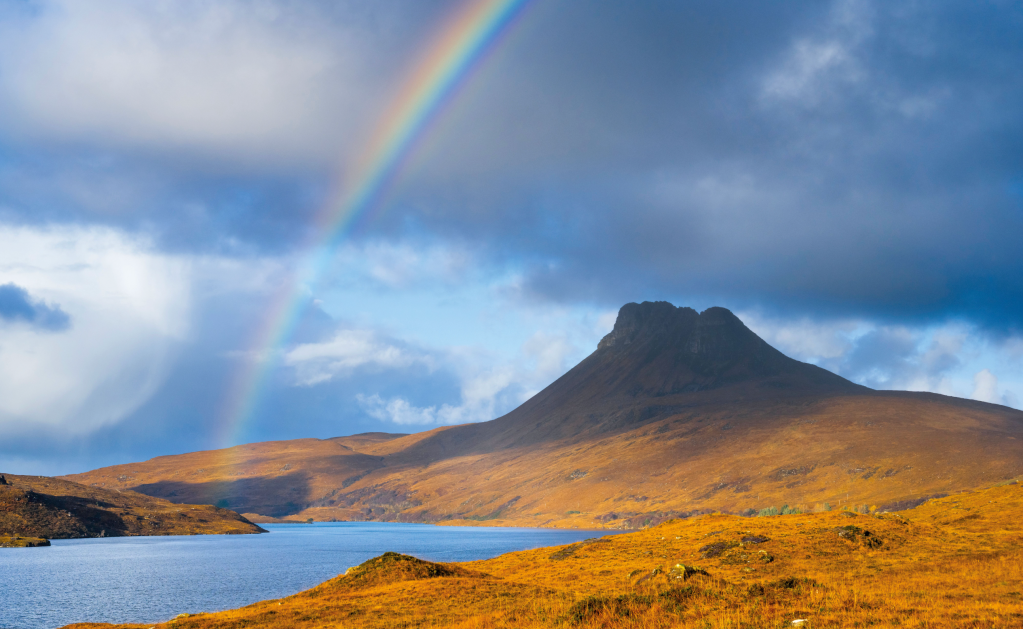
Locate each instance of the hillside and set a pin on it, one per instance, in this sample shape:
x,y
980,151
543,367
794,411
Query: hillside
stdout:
x,y
274,478
955,562
42,507
675,413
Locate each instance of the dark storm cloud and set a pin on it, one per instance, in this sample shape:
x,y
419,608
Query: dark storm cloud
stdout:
x,y
184,208
840,159
860,160
17,306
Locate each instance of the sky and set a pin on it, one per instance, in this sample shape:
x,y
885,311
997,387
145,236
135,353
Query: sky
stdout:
x,y
845,176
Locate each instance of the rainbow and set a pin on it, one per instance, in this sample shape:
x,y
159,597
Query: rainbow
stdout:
x,y
461,46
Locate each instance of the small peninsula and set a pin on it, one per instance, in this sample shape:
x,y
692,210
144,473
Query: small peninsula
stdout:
x,y
34,509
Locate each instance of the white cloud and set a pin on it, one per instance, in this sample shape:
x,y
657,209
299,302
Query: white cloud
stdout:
x,y
453,317
487,392
400,411
348,350
805,339
941,359
808,71
548,353
129,309
945,350
485,396
814,68
271,78
397,410
985,387
605,323
403,264
1014,348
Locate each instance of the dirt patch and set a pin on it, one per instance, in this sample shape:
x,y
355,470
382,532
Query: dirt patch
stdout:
x,y
791,583
717,549
754,539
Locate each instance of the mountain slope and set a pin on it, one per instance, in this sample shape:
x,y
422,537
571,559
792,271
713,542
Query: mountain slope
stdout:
x,y
676,412
43,507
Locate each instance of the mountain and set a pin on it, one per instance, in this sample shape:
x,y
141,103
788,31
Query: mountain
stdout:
x,y
43,507
675,413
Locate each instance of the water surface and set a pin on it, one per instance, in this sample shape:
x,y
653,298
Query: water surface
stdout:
x,y
151,579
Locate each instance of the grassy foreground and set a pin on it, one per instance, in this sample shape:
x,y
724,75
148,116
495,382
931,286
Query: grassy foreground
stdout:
x,y
952,562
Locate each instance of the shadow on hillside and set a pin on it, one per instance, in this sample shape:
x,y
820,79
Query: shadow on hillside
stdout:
x,y
274,496
93,518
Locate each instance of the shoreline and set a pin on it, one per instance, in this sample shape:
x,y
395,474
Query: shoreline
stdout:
x,y
948,562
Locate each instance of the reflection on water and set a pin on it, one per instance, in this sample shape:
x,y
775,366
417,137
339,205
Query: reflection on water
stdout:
x,y
151,579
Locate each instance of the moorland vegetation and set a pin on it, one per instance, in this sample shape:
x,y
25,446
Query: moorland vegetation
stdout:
x,y
951,562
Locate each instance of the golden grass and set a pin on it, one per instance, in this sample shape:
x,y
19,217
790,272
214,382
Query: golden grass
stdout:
x,y
954,562
16,541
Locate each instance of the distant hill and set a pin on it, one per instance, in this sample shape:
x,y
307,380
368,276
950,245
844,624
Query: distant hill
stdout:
x,y
675,413
42,507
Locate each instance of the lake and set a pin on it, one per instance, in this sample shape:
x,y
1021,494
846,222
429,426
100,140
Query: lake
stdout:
x,y
151,579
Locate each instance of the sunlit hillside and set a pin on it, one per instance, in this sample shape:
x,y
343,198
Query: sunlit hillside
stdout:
x,y
676,413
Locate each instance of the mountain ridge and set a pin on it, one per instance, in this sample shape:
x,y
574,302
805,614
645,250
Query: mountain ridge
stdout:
x,y
676,412
712,348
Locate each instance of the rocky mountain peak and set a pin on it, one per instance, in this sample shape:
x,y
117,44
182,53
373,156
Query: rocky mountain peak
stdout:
x,y
637,323
677,349
715,332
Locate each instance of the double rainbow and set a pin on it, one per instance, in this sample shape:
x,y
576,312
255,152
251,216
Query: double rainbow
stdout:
x,y
449,62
